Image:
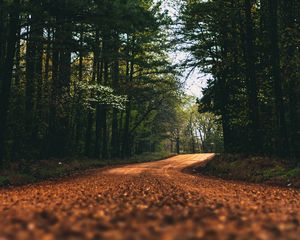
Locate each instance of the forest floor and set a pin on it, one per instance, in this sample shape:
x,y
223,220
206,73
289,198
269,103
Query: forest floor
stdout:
x,y
157,200
268,170
28,172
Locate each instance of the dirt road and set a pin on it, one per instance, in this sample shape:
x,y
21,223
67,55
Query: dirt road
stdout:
x,y
149,201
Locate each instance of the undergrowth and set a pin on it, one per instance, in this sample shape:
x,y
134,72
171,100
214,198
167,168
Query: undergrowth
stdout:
x,y
27,172
253,169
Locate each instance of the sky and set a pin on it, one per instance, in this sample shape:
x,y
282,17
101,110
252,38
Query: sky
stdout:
x,y
194,82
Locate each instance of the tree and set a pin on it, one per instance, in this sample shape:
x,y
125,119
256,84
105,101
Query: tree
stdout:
x,y
82,78
8,45
247,50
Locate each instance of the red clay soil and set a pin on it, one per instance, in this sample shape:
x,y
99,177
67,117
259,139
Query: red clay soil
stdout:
x,y
149,201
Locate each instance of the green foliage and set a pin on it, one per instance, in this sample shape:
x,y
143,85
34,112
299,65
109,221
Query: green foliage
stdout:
x,y
188,130
97,94
88,78
250,51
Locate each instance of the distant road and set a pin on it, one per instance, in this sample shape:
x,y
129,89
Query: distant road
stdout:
x,y
154,200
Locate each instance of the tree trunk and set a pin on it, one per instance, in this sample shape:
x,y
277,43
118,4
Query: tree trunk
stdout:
x,y
90,119
129,78
40,103
2,39
59,129
178,144
224,92
6,73
78,91
104,116
289,65
18,63
115,81
34,82
98,115
282,140
253,109
30,89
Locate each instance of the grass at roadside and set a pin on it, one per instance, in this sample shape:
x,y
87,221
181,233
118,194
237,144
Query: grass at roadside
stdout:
x,y
253,169
28,172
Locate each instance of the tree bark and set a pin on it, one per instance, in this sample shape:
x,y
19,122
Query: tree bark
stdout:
x,y
2,38
129,77
34,82
104,116
59,123
253,108
115,81
289,65
6,73
177,142
78,91
90,119
98,114
282,145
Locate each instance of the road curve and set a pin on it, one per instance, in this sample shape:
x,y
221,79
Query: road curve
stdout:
x,y
149,201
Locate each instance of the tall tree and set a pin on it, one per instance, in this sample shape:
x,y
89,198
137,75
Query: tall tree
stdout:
x,y
254,133
249,50
282,139
6,72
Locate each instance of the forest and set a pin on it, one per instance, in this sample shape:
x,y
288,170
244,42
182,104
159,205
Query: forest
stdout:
x,y
251,51
86,78
149,119
95,78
